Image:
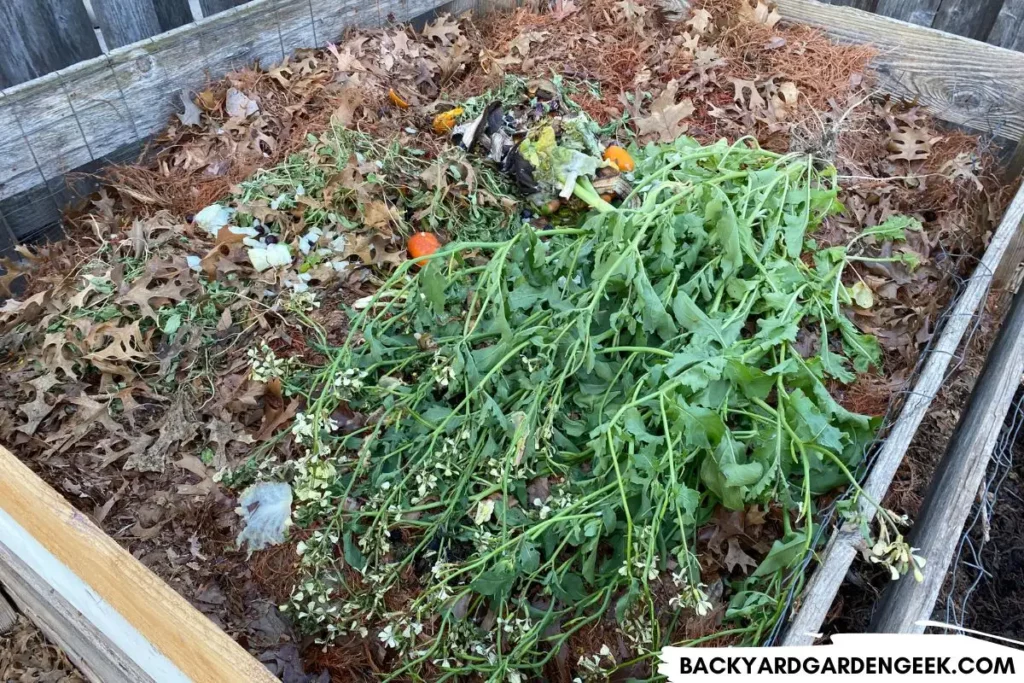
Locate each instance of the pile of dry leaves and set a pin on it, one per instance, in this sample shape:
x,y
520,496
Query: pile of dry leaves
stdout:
x,y
127,370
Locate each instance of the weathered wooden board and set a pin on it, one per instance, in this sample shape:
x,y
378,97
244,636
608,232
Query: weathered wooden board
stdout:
x,y
8,617
957,79
81,114
838,555
211,7
40,36
118,618
126,21
866,5
920,12
971,18
173,13
1008,30
331,18
954,487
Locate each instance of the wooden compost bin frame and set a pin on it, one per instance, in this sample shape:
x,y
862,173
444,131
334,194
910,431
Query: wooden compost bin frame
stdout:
x,y
115,618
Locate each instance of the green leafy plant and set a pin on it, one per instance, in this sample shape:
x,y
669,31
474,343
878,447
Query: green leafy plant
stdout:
x,y
544,422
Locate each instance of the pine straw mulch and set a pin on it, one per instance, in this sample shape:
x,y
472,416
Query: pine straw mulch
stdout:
x,y
87,395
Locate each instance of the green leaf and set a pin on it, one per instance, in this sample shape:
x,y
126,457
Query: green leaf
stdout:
x,y
656,318
432,284
796,226
569,589
861,294
834,364
353,556
785,554
894,228
810,424
862,348
727,474
529,558
691,318
172,324
496,582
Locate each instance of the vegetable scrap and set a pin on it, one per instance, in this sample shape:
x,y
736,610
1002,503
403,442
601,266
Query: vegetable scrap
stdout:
x,y
510,350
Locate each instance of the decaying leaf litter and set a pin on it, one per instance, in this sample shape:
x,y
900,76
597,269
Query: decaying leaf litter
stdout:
x,y
487,461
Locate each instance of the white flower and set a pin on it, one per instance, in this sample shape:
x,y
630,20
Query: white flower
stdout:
x,y
388,636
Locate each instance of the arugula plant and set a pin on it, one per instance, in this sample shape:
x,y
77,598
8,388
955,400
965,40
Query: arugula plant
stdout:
x,y
549,419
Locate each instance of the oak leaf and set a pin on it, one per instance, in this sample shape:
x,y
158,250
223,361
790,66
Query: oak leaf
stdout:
x,y
665,122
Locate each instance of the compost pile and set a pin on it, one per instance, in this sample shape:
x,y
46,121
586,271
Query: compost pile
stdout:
x,y
505,352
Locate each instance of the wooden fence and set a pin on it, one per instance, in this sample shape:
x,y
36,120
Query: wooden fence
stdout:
x,y
91,113
998,22
84,83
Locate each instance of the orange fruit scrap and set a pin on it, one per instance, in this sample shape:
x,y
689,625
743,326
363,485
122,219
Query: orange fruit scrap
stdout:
x,y
445,121
619,157
422,244
396,99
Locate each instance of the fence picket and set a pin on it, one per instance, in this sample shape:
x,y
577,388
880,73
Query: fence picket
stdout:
x,y
971,18
172,13
920,12
40,36
1008,30
125,21
211,7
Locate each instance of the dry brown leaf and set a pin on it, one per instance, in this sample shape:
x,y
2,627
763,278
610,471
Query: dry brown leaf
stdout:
x,y
126,343
754,102
350,98
372,250
36,410
759,13
89,413
735,557
175,429
377,214
219,433
346,60
444,30
179,285
910,145
665,122
700,22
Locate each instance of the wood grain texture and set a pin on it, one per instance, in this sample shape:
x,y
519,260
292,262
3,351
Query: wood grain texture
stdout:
x,y
821,590
126,21
1008,30
971,18
920,12
866,5
211,7
95,655
172,13
959,80
954,487
165,620
40,36
8,617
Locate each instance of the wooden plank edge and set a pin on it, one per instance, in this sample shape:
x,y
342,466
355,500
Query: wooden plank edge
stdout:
x,y
8,617
838,555
53,548
977,100
955,486
47,592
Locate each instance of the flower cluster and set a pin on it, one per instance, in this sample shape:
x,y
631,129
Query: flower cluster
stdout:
x,y
441,369
349,382
589,666
690,596
266,365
